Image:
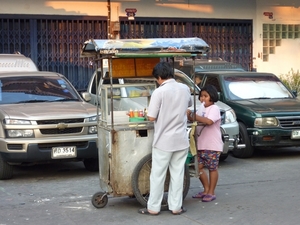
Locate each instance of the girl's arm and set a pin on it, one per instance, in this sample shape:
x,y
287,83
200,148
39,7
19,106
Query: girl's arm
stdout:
x,y
192,117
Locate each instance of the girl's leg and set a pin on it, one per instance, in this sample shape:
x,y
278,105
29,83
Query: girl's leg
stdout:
x,y
203,178
213,179
213,171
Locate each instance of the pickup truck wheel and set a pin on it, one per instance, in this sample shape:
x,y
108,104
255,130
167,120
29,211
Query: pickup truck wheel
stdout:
x,y
223,157
91,164
6,170
244,139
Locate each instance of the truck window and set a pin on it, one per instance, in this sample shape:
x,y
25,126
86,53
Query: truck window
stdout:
x,y
94,86
213,81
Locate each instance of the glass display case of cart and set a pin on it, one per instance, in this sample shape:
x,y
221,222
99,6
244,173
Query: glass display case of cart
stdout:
x,y
125,104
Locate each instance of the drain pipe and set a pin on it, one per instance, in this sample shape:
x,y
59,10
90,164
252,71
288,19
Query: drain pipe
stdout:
x,y
108,19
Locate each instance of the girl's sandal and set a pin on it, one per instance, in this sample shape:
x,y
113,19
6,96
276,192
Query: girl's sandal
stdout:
x,y
208,198
199,195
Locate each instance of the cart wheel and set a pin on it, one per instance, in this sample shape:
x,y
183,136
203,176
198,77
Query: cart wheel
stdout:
x,y
99,199
140,182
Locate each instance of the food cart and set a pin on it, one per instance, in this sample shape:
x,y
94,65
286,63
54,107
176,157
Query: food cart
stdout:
x,y
124,133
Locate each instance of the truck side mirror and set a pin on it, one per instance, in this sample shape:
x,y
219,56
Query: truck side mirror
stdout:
x,y
86,96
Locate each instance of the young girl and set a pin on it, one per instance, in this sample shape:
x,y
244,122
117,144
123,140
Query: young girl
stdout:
x,y
209,142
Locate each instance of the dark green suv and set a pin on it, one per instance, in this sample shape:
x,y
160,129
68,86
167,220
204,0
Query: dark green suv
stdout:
x,y
267,112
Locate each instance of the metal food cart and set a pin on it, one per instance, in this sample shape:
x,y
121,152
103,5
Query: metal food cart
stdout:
x,y
124,142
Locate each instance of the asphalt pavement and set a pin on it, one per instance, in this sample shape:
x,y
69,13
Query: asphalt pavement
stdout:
x,y
260,190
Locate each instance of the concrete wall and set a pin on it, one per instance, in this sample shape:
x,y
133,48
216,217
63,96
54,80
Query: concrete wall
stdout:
x,y
284,56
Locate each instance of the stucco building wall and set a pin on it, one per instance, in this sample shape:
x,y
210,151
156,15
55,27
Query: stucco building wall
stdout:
x,y
286,15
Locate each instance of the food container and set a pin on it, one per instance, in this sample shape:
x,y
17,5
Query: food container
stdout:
x,y
136,119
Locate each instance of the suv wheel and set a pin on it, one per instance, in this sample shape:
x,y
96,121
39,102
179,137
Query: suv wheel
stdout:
x,y
6,170
244,139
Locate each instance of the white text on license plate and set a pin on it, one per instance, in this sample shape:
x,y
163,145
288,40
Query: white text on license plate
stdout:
x,y
295,134
63,152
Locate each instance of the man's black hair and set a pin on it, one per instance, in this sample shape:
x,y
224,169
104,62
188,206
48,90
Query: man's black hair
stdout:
x,y
212,91
163,70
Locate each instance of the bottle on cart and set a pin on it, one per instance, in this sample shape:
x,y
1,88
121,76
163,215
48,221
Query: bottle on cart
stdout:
x,y
131,113
141,113
135,113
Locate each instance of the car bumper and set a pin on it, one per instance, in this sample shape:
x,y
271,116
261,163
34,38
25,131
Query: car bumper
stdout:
x,y
272,137
232,129
17,151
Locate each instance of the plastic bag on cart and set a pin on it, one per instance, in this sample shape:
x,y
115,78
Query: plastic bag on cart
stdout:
x,y
193,147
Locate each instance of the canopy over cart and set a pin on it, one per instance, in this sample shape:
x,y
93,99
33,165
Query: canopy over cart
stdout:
x,y
154,47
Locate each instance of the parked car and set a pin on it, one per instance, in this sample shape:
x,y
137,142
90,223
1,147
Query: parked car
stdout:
x,y
229,123
43,118
267,111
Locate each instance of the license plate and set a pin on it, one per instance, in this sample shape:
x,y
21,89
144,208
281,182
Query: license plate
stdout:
x,y
295,134
63,152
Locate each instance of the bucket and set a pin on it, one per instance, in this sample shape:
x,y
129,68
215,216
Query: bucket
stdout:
x,y
189,158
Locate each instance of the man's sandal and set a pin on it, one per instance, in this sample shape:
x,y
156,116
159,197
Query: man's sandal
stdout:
x,y
145,211
182,210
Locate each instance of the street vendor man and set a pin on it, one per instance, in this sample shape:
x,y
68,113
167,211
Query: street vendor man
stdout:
x,y
167,109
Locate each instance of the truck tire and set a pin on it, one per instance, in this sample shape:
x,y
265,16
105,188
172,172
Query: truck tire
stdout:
x,y
223,157
248,151
91,164
6,170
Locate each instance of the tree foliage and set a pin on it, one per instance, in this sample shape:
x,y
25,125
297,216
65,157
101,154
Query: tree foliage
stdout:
x,y
292,80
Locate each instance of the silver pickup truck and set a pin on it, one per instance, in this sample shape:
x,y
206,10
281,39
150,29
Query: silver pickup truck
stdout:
x,y
229,123
43,118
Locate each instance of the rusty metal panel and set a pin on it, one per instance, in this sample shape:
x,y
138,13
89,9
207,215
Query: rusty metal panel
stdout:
x,y
104,154
126,151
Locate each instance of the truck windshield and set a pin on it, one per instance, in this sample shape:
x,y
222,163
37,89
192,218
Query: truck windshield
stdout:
x,y
259,87
29,89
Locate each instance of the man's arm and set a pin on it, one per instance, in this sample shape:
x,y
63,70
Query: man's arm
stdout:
x,y
151,118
